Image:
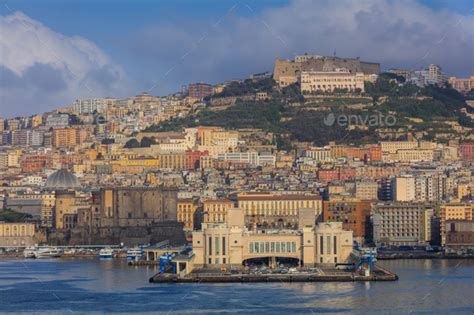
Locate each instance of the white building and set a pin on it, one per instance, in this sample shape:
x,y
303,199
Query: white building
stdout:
x,y
91,105
253,158
313,81
57,120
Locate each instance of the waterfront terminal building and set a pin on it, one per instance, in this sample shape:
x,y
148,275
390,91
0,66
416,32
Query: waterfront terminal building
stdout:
x,y
231,244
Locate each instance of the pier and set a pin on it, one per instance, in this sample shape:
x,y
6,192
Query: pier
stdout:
x,y
316,275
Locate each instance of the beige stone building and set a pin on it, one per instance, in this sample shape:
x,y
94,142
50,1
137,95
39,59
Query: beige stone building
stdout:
x,y
229,243
287,72
314,81
463,85
215,210
414,155
17,234
394,146
277,208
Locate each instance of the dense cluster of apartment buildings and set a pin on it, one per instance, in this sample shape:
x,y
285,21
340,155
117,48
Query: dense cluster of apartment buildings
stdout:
x,y
76,175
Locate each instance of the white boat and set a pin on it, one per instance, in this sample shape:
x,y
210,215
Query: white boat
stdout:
x,y
48,252
30,252
106,253
135,253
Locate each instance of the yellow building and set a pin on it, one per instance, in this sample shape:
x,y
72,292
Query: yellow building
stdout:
x,y
394,146
216,210
36,121
17,234
337,151
463,85
186,209
64,137
174,161
215,136
415,155
462,190
268,208
454,211
65,209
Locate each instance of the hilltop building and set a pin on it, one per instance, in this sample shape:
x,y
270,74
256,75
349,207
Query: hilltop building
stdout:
x,y
287,72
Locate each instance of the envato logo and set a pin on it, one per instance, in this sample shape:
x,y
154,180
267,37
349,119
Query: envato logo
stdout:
x,y
374,120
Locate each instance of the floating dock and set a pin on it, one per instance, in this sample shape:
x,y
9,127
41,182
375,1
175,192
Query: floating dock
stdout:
x,y
379,274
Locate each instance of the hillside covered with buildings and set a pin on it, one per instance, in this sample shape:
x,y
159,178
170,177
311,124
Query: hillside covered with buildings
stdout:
x,y
388,155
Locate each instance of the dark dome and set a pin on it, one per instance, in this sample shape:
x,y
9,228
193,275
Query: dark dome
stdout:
x,y
62,179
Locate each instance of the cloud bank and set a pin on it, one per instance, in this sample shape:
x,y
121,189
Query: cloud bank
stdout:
x,y
41,69
395,33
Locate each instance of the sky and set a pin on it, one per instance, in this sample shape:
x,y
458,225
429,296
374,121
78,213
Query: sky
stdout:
x,y
53,52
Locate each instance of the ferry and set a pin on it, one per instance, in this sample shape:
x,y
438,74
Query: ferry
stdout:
x,y
135,253
42,252
106,253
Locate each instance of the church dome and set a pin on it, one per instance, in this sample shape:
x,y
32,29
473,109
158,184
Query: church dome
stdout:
x,y
62,179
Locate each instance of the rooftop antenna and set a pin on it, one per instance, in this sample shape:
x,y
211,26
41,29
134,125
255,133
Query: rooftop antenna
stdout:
x,y
334,52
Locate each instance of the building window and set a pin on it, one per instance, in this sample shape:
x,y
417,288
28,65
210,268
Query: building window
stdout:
x,y
223,246
328,245
210,246
321,243
335,245
217,245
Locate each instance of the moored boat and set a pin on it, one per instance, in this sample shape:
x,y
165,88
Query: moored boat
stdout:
x,y
29,252
48,252
135,253
106,253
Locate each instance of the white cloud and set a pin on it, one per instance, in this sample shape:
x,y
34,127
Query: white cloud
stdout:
x,y
41,69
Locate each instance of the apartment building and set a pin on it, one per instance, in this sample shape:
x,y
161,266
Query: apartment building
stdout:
x,y
319,81
277,208
454,212
403,224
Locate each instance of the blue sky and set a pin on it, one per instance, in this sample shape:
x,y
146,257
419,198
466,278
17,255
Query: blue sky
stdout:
x,y
55,51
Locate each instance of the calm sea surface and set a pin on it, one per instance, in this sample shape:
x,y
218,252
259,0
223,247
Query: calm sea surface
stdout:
x,y
91,285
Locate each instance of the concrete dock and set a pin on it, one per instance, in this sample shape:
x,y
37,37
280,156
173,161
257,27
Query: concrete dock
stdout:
x,y
379,274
